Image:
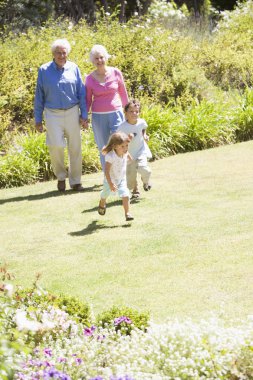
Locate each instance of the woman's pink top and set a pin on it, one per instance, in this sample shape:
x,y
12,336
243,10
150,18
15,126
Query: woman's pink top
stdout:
x,y
106,97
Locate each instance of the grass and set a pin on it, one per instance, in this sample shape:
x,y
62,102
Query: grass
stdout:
x,y
188,253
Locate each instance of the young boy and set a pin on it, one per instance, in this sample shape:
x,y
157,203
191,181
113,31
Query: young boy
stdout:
x,y
136,127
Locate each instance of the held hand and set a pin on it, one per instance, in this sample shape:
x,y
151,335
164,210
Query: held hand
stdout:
x,y
84,123
39,127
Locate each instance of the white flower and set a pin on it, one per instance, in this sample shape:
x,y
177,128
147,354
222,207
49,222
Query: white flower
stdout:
x,y
9,289
24,324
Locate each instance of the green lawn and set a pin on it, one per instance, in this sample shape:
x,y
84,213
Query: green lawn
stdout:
x,y
188,253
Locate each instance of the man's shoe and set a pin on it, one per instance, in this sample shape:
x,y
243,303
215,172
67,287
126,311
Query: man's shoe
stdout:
x,y
61,185
78,187
147,186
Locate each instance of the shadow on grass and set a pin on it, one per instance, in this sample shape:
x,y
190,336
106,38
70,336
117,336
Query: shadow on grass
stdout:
x,y
49,194
95,226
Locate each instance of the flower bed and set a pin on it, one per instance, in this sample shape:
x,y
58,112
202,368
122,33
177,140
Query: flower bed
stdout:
x,y
42,341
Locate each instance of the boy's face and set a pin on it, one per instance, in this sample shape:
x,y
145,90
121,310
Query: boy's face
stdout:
x,y
132,114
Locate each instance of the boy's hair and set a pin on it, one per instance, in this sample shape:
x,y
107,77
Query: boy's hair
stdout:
x,y
132,102
116,138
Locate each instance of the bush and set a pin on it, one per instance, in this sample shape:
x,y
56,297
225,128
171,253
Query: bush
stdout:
x,y
17,170
123,319
33,146
243,117
90,154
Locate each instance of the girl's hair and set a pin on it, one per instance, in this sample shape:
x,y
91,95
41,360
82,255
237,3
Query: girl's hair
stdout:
x,y
98,49
61,43
132,102
115,139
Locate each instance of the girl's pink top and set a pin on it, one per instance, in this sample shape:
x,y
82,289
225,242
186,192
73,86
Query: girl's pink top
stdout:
x,y
106,97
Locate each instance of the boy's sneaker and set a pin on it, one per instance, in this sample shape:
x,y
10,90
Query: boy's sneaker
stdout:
x,y
147,186
129,217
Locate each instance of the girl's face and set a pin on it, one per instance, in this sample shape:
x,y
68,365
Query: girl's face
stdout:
x,y
121,149
132,114
99,60
60,56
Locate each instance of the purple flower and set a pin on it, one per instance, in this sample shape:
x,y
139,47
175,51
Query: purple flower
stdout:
x,y
97,378
62,360
124,377
79,361
53,373
48,351
21,376
119,320
46,364
88,331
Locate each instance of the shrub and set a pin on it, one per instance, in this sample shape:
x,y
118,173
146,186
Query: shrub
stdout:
x,y
123,319
243,117
33,146
90,154
17,170
226,59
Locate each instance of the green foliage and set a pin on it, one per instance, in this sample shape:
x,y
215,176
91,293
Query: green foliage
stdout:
x,y
33,146
226,60
90,161
109,319
244,362
74,307
243,117
17,170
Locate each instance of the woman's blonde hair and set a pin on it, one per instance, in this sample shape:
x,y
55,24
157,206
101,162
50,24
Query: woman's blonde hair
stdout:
x,y
115,139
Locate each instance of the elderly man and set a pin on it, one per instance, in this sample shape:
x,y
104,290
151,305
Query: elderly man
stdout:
x,y
60,93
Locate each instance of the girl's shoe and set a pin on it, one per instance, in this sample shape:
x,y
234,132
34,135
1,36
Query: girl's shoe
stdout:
x,y
129,217
101,209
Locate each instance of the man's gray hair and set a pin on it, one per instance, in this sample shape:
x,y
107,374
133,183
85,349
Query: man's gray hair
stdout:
x,y
61,42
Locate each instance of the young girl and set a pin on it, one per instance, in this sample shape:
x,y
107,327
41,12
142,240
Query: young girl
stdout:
x,y
116,157
138,148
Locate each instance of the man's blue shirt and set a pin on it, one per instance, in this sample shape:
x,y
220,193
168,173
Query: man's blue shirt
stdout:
x,y
59,89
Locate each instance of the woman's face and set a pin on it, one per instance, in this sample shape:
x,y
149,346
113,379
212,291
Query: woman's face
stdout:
x,y
60,56
99,60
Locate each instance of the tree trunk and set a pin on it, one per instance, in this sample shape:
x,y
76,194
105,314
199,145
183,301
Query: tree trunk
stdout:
x,y
122,15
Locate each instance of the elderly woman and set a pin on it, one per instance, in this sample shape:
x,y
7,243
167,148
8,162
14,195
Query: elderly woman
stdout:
x,y
106,96
60,93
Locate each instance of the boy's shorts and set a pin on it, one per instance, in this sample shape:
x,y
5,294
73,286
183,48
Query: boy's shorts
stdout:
x,y
122,190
